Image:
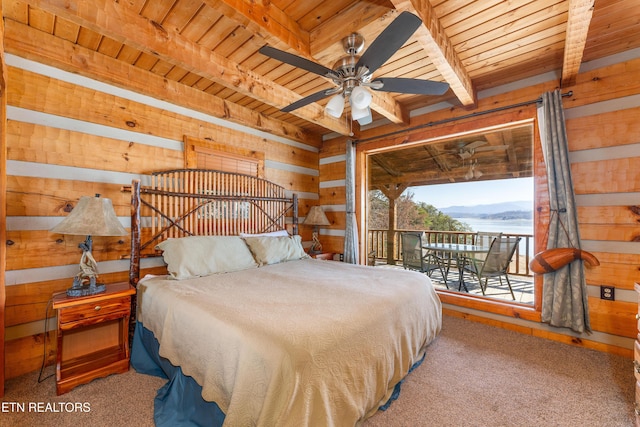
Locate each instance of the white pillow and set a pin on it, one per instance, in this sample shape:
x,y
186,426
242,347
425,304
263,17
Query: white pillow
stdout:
x,y
196,256
272,250
279,233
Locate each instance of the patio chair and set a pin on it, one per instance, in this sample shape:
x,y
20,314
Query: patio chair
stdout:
x,y
485,238
495,264
414,257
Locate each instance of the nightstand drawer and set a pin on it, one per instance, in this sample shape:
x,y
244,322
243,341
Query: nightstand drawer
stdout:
x,y
102,309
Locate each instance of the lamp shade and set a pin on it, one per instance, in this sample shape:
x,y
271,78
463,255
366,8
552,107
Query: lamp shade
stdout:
x,y
335,106
367,119
92,216
360,97
316,216
359,113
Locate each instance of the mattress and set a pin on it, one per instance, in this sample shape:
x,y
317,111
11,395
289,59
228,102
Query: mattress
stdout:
x,y
299,343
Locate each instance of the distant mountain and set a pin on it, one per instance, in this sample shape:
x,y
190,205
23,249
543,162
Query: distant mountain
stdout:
x,y
509,208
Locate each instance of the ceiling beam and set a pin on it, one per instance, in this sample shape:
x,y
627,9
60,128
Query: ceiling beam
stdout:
x,y
580,13
505,137
120,23
437,156
267,21
385,165
437,45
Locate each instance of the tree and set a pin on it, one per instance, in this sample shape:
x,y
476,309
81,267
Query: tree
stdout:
x,y
411,215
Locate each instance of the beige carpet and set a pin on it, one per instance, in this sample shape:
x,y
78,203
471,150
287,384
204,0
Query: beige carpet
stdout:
x,y
474,375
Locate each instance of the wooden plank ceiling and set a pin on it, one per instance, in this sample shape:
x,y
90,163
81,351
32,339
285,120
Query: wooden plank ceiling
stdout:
x,y
211,46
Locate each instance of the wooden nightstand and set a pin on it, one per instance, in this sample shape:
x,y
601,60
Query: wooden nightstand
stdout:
x,y
93,335
323,255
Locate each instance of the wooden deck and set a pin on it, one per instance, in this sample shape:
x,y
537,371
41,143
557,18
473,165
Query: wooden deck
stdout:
x,y
522,285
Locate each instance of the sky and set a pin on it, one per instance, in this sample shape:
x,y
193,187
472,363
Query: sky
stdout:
x,y
474,193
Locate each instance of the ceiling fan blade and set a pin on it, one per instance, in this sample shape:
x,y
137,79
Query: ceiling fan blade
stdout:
x,y
389,41
297,61
475,144
308,100
415,86
492,147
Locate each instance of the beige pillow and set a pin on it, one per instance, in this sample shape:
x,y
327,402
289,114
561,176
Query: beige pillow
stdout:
x,y
272,250
278,233
197,256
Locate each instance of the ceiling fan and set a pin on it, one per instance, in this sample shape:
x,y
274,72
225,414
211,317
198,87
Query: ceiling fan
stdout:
x,y
352,74
468,150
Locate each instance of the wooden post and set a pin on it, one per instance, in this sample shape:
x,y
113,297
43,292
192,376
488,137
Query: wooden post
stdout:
x,y
391,233
393,194
134,265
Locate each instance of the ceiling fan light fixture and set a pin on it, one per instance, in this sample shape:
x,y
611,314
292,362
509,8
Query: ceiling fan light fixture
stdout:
x,y
360,97
359,113
335,106
469,174
366,120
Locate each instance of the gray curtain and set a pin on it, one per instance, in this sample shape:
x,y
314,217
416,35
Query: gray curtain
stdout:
x,y
351,230
564,296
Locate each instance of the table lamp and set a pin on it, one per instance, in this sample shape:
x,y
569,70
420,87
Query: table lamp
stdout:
x,y
316,217
92,216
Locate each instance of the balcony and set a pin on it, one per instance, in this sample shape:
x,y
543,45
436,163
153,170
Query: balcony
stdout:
x,y
382,253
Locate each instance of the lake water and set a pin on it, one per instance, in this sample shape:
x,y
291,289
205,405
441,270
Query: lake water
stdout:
x,y
515,226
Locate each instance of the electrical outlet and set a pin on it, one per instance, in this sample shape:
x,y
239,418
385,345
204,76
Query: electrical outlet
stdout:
x,y
608,293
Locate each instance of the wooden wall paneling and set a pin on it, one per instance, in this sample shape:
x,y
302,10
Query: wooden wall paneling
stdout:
x,y
619,270
596,131
333,196
334,147
34,196
618,215
338,219
332,171
39,93
606,176
293,181
333,244
3,198
43,144
29,246
25,353
607,83
613,317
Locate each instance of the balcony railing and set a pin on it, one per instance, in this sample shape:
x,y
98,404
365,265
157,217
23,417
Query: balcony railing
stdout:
x,y
377,246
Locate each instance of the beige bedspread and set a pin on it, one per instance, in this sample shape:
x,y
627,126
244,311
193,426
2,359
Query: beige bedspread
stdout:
x,y
301,343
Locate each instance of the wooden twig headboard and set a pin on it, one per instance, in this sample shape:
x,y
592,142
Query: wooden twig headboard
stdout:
x,y
188,202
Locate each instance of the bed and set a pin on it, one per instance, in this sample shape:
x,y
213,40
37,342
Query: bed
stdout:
x,y
247,328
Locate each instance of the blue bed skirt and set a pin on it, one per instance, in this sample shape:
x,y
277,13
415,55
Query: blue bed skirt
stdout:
x,y
179,402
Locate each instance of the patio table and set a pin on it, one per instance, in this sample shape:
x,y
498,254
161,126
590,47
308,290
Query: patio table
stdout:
x,y
460,252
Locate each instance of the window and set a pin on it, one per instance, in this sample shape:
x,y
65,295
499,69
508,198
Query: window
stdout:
x,y
489,162
203,154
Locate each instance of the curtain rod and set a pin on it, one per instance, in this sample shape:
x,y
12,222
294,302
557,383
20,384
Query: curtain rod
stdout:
x,y
453,119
